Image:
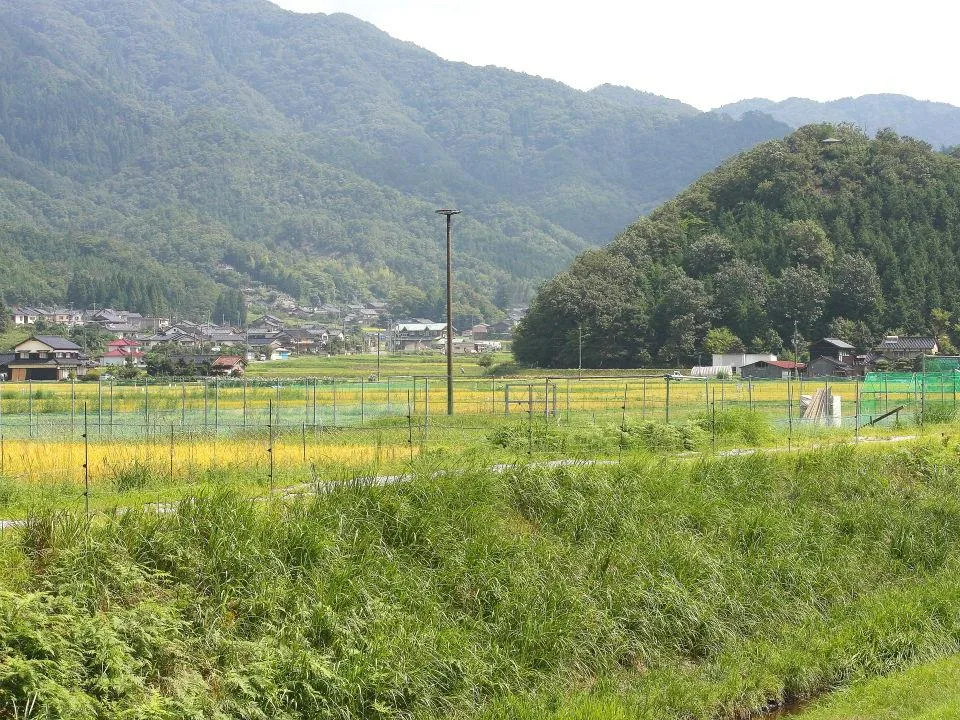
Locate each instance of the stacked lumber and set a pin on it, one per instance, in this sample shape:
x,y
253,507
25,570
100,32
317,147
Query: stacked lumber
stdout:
x,y
819,406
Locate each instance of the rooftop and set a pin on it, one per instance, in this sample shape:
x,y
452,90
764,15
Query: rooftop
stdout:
x,y
57,343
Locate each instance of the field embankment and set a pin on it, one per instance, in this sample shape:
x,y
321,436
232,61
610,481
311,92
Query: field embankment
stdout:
x,y
653,589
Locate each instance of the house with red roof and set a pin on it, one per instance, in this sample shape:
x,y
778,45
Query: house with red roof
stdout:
x,y
122,352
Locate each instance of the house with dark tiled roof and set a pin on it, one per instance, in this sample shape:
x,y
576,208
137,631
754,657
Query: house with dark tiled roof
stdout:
x,y
899,347
47,357
832,357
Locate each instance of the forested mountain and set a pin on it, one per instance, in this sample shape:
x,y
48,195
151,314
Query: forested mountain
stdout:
x,y
935,122
193,144
850,239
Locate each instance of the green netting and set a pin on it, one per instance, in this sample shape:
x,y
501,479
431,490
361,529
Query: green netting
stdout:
x,y
884,391
941,364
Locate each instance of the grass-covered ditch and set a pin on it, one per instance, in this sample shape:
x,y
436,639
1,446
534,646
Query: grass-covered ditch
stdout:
x,y
653,589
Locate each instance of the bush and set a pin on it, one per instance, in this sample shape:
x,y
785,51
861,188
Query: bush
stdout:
x,y
740,424
505,369
660,437
135,476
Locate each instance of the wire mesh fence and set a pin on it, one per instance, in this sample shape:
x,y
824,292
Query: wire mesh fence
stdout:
x,y
225,407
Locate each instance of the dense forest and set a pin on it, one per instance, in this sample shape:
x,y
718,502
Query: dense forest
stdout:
x,y
826,232
199,145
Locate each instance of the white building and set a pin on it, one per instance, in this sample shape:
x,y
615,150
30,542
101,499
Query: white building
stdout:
x,y
735,361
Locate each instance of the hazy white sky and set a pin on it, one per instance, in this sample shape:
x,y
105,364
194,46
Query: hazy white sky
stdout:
x,y
705,52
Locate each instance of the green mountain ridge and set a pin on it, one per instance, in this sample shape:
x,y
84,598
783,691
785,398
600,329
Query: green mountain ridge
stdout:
x,y
162,138
851,239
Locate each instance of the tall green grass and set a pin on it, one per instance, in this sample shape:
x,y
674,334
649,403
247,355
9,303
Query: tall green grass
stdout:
x,y
654,589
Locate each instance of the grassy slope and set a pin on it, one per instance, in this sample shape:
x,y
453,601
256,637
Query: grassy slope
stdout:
x,y
927,692
653,589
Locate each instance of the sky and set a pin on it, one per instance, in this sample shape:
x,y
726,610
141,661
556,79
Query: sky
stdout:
x,y
704,52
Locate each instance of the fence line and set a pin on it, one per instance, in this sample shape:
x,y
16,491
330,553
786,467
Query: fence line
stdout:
x,y
224,406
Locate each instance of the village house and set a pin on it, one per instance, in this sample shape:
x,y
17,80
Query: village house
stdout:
x,y
47,357
63,316
899,348
829,367
122,352
229,366
771,369
502,329
832,357
298,340
415,336
25,315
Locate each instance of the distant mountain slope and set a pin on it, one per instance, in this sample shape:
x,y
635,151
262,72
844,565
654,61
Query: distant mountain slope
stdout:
x,y
848,239
638,99
171,137
934,122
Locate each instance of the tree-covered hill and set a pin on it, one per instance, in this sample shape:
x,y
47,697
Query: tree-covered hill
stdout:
x,y
934,122
850,238
165,139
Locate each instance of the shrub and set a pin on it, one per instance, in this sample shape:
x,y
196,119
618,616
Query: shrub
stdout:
x,y
740,424
504,369
660,437
135,476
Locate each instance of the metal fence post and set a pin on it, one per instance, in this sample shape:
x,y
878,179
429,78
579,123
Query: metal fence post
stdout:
x,y
530,419
146,405
857,421
667,403
643,399
789,413
73,403
86,464
623,424
270,439
409,425
713,423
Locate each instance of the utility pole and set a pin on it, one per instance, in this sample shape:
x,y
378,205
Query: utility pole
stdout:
x,y
449,214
